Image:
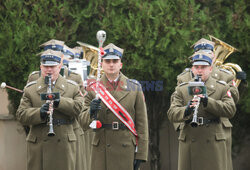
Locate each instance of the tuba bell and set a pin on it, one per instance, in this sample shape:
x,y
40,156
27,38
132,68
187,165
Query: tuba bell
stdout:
x,y
90,53
222,51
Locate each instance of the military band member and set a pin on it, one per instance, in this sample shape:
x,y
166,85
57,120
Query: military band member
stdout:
x,y
218,73
57,45
204,45
78,52
204,147
51,152
114,145
88,134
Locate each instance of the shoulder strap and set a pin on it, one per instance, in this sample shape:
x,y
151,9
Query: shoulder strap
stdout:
x,y
222,82
72,82
134,81
30,83
186,70
182,84
225,71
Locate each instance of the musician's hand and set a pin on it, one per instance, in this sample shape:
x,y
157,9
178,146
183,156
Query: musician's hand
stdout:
x,y
56,103
137,163
44,111
94,106
189,108
204,99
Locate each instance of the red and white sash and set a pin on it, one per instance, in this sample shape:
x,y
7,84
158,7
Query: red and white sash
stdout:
x,y
119,111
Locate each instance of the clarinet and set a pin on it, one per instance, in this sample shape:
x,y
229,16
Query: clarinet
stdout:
x,y
195,122
50,121
197,90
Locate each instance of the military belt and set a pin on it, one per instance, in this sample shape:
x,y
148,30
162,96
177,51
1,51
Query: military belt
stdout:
x,y
114,126
204,121
62,122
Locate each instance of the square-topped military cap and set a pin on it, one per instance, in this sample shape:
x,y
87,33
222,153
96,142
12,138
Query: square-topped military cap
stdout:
x,y
53,44
68,52
203,44
51,57
66,62
209,52
78,52
202,58
112,52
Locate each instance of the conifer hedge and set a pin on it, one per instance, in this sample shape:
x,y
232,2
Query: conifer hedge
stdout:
x,y
156,36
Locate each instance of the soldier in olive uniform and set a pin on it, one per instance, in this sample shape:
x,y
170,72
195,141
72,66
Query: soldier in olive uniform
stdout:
x,y
217,73
207,46
51,152
90,54
204,45
115,147
56,45
204,147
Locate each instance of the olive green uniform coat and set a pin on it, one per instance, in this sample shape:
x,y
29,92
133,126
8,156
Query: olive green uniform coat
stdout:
x,y
115,149
204,147
59,151
81,148
224,75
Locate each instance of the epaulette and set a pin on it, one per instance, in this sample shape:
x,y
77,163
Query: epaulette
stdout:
x,y
134,81
72,82
30,83
183,83
222,82
72,72
34,72
226,71
186,70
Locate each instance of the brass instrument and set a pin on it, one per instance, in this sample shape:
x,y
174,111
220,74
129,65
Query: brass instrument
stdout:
x,y
90,53
222,51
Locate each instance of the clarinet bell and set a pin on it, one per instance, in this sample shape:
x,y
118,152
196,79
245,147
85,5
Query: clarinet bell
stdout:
x,y
51,132
194,122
